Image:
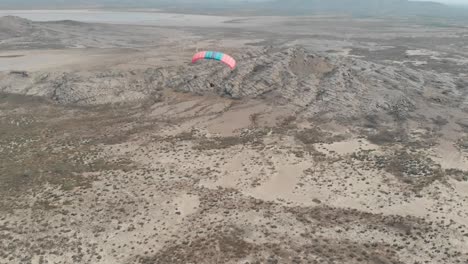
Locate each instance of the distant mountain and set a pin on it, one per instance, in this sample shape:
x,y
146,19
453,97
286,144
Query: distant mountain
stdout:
x,y
32,4
361,7
276,7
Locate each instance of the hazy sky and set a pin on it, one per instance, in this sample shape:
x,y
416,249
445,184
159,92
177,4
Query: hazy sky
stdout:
x,y
458,2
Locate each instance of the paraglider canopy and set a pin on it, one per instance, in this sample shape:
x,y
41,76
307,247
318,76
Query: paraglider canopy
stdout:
x,y
214,55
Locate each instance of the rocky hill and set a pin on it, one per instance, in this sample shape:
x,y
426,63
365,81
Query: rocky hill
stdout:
x,y
322,84
317,85
23,33
11,26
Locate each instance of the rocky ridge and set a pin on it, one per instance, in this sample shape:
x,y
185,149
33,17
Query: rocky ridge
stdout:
x,y
315,84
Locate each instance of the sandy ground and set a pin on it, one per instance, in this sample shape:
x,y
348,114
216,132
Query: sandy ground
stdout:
x,y
114,149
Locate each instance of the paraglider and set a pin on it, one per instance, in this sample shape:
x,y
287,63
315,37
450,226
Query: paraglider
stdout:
x,y
214,55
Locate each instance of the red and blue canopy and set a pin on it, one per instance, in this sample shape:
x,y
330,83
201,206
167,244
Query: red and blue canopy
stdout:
x,y
214,55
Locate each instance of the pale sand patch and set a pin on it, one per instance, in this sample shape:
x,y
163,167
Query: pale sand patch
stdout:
x,y
281,184
449,157
196,112
238,118
422,52
187,204
38,60
462,187
414,62
427,207
347,147
233,168
274,118
239,169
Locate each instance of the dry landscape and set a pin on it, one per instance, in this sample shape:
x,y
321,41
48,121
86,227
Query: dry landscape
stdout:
x,y
336,140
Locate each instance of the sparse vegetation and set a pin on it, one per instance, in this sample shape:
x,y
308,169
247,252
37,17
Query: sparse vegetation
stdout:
x,y
35,152
457,174
462,143
371,121
254,118
311,136
440,121
227,142
220,246
385,136
316,135
415,169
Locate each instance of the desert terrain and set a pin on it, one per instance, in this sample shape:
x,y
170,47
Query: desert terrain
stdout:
x,y
335,140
